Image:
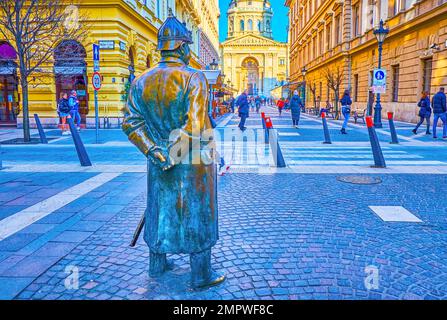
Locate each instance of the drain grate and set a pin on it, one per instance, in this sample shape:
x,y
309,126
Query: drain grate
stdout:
x,y
366,180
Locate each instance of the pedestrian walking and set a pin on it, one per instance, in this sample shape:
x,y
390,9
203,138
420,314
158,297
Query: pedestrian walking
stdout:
x,y
232,102
74,105
295,107
424,112
243,109
440,112
63,109
280,104
258,102
346,103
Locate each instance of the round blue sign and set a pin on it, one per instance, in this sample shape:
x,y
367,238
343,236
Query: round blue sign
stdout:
x,y
380,75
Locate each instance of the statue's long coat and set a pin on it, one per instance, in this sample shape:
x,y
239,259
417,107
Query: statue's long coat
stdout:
x,y
181,215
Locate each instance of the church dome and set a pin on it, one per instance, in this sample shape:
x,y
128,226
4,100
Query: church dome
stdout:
x,y
250,16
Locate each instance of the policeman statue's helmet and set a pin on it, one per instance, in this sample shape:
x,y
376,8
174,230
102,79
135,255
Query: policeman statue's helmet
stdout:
x,y
173,34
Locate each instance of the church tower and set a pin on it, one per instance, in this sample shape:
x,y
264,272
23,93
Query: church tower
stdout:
x,y
251,59
250,16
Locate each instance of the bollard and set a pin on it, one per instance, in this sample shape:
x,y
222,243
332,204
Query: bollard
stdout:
x,y
278,157
379,160
43,138
394,139
327,136
80,149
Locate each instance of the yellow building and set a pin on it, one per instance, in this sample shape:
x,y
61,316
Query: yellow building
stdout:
x,y
330,35
251,59
126,31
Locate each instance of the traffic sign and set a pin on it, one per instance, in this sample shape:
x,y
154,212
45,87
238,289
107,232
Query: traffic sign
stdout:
x,y
96,81
95,57
379,81
95,52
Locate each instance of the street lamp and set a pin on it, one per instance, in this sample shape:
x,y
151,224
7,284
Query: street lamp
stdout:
x,y
380,34
212,74
214,65
304,72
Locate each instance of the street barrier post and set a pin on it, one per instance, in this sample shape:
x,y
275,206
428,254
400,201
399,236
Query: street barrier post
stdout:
x,y
379,160
80,148
327,136
394,139
43,138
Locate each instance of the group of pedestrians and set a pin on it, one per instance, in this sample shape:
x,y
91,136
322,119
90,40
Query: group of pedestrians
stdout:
x,y
438,107
68,107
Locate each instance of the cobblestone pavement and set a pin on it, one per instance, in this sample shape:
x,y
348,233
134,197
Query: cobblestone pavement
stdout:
x,y
283,234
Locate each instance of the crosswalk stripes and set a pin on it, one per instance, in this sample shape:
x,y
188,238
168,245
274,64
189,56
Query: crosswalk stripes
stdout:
x,y
300,153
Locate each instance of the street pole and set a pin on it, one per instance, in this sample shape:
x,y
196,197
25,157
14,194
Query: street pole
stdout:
x,y
96,116
378,107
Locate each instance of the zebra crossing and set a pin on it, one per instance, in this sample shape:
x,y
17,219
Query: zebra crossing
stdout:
x,y
303,149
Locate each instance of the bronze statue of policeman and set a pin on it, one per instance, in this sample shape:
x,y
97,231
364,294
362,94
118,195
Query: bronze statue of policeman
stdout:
x,y
166,117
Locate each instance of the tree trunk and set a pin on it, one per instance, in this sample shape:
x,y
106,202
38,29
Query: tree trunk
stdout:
x,y
25,110
337,113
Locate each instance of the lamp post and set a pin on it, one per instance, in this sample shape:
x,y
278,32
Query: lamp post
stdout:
x,y
380,34
304,72
212,74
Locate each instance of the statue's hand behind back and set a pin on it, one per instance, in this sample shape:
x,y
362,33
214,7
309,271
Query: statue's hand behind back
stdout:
x,y
161,158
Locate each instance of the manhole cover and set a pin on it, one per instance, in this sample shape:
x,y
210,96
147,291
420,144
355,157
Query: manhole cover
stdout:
x,y
359,179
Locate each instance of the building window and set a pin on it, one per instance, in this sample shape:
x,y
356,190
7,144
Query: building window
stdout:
x,y
395,87
259,26
250,25
426,75
242,25
282,62
356,21
337,30
328,37
356,87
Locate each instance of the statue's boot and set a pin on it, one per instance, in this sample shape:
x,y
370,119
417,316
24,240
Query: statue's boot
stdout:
x,y
202,275
158,264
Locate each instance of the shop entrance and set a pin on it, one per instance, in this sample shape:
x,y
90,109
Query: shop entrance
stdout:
x,y
71,73
9,97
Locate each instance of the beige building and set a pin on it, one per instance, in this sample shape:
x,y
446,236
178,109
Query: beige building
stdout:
x,y
251,59
330,35
126,31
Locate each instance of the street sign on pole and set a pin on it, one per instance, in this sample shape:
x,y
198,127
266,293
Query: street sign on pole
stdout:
x,y
96,82
95,57
379,81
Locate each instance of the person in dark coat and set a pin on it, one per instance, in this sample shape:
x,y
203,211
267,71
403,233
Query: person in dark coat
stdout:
x,y
424,112
244,109
295,107
346,103
439,110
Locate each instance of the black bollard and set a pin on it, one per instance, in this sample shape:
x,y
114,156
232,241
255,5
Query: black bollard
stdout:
x,y
379,160
394,139
276,149
327,136
80,149
43,137
264,126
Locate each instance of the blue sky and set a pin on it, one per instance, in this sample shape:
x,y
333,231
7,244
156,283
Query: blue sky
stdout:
x,y
279,20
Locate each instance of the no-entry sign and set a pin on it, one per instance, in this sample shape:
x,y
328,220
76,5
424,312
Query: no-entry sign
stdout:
x,y
96,81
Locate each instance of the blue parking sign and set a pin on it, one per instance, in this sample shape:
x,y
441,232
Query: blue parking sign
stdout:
x,y
95,52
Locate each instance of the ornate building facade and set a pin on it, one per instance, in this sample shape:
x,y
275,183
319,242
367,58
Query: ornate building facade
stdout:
x,y
251,59
338,36
126,31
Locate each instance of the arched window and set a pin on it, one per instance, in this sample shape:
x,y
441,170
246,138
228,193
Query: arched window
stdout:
x,y
259,26
268,25
250,25
242,25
